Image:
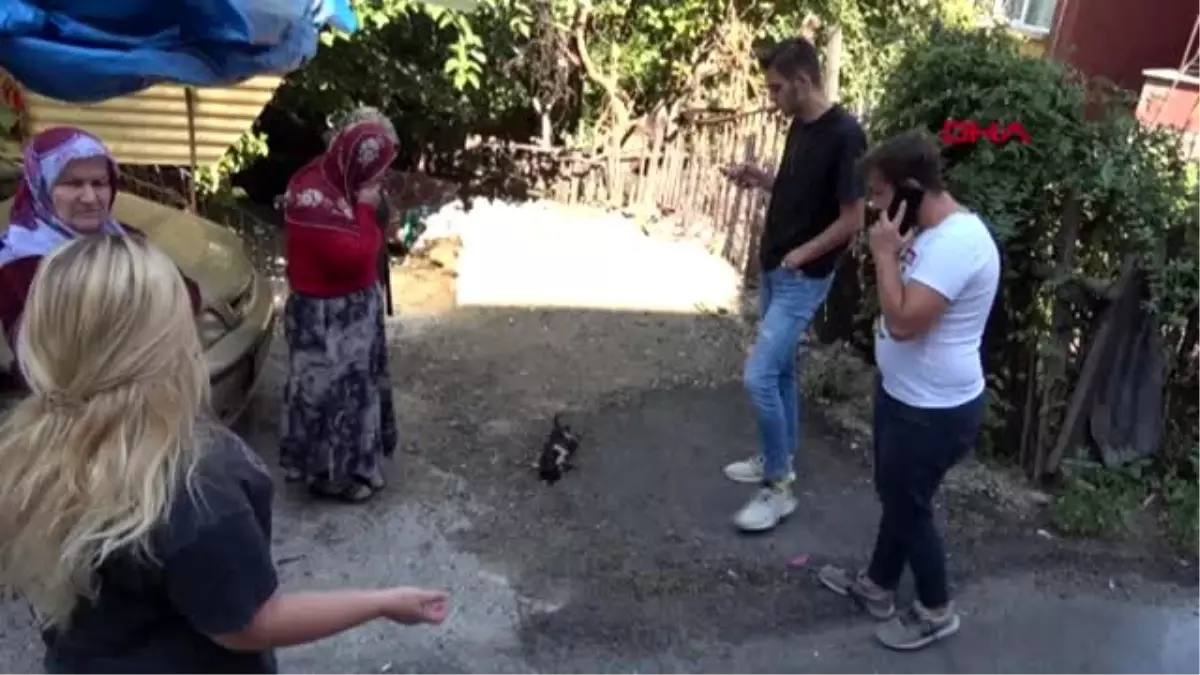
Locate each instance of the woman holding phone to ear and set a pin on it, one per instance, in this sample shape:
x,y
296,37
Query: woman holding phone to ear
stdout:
x,y
937,269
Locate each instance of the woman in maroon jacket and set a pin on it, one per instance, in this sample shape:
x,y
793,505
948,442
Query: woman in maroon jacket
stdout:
x,y
68,186
338,420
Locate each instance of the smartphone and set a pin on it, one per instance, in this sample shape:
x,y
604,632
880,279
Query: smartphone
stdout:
x,y
912,196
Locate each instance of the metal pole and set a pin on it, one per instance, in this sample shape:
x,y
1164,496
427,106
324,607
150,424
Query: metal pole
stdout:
x,y
189,96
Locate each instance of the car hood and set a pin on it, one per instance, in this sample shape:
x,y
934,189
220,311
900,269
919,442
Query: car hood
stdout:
x,y
209,254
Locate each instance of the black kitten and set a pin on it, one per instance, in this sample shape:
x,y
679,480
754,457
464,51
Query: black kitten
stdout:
x,y
557,452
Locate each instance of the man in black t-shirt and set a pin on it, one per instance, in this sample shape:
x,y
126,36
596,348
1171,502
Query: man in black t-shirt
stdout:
x,y
816,208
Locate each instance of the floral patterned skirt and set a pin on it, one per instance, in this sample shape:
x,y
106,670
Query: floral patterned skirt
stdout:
x,y
338,418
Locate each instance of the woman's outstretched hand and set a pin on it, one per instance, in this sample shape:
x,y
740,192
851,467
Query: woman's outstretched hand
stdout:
x,y
410,606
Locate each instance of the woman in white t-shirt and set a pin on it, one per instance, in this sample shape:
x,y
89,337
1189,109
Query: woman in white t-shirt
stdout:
x,y
937,270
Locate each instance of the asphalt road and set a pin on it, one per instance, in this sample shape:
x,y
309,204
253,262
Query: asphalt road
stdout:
x,y
631,565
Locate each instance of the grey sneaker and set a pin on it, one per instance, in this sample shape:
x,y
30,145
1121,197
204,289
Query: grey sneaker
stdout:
x,y
768,506
750,471
917,628
879,604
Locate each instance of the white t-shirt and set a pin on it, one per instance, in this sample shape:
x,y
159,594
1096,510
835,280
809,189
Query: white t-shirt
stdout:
x,y
942,368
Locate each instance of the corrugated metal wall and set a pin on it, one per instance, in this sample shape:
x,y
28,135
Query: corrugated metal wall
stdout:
x,y
151,127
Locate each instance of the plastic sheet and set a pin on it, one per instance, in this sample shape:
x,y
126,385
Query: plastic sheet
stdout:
x,y
84,51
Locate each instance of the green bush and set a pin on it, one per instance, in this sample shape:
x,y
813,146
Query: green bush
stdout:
x,y
1130,184
1181,504
1099,503
1096,502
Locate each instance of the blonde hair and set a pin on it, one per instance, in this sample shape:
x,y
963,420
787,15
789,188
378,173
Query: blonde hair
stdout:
x,y
92,460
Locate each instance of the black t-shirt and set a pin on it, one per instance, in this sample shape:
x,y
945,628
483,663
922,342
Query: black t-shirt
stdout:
x,y
213,571
818,173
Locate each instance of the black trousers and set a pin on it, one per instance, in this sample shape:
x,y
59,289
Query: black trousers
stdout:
x,y
914,448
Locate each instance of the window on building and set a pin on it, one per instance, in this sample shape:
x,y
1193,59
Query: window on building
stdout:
x,y
1034,16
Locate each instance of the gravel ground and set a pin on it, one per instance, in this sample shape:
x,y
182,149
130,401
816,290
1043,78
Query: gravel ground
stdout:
x,y
630,564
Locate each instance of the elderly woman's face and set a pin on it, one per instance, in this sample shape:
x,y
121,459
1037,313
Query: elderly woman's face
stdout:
x,y
83,194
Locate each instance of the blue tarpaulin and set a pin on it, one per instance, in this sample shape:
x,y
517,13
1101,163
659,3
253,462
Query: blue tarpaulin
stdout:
x,y
83,51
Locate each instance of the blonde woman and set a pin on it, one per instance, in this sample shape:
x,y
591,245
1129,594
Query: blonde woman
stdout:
x,y
138,531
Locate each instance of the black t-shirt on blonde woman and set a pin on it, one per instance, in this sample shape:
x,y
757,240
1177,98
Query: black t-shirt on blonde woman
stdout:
x,y
212,574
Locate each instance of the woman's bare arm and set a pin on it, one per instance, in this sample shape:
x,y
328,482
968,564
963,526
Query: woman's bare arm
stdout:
x,y
288,619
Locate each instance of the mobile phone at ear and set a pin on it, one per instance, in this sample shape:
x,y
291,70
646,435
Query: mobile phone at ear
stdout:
x,y
911,196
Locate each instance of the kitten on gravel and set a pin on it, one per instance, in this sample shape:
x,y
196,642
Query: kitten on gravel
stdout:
x,y
557,452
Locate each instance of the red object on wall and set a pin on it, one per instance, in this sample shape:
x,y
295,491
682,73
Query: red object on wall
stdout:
x,y
1118,39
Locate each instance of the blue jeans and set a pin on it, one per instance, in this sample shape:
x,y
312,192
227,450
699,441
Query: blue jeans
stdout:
x,y
914,448
788,301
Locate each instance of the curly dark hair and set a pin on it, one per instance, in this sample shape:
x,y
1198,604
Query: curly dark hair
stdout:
x,y
909,156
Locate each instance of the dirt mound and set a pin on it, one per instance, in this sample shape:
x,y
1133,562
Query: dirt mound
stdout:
x,y
425,282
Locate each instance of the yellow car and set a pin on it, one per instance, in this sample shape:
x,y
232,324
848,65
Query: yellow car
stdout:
x,y
239,308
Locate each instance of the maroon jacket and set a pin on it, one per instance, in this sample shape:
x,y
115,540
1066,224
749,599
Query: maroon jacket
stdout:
x,y
16,278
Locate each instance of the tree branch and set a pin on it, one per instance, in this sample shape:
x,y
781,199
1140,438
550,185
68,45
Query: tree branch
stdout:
x,y
612,89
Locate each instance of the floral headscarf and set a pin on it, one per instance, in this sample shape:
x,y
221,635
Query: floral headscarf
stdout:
x,y
35,228
323,193
357,116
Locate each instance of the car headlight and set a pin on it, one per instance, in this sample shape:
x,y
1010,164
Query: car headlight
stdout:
x,y
211,327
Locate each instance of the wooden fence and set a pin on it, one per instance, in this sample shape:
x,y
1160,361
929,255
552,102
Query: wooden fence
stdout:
x,y
675,177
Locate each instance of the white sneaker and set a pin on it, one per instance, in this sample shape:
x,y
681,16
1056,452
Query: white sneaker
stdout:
x,y
769,506
751,471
